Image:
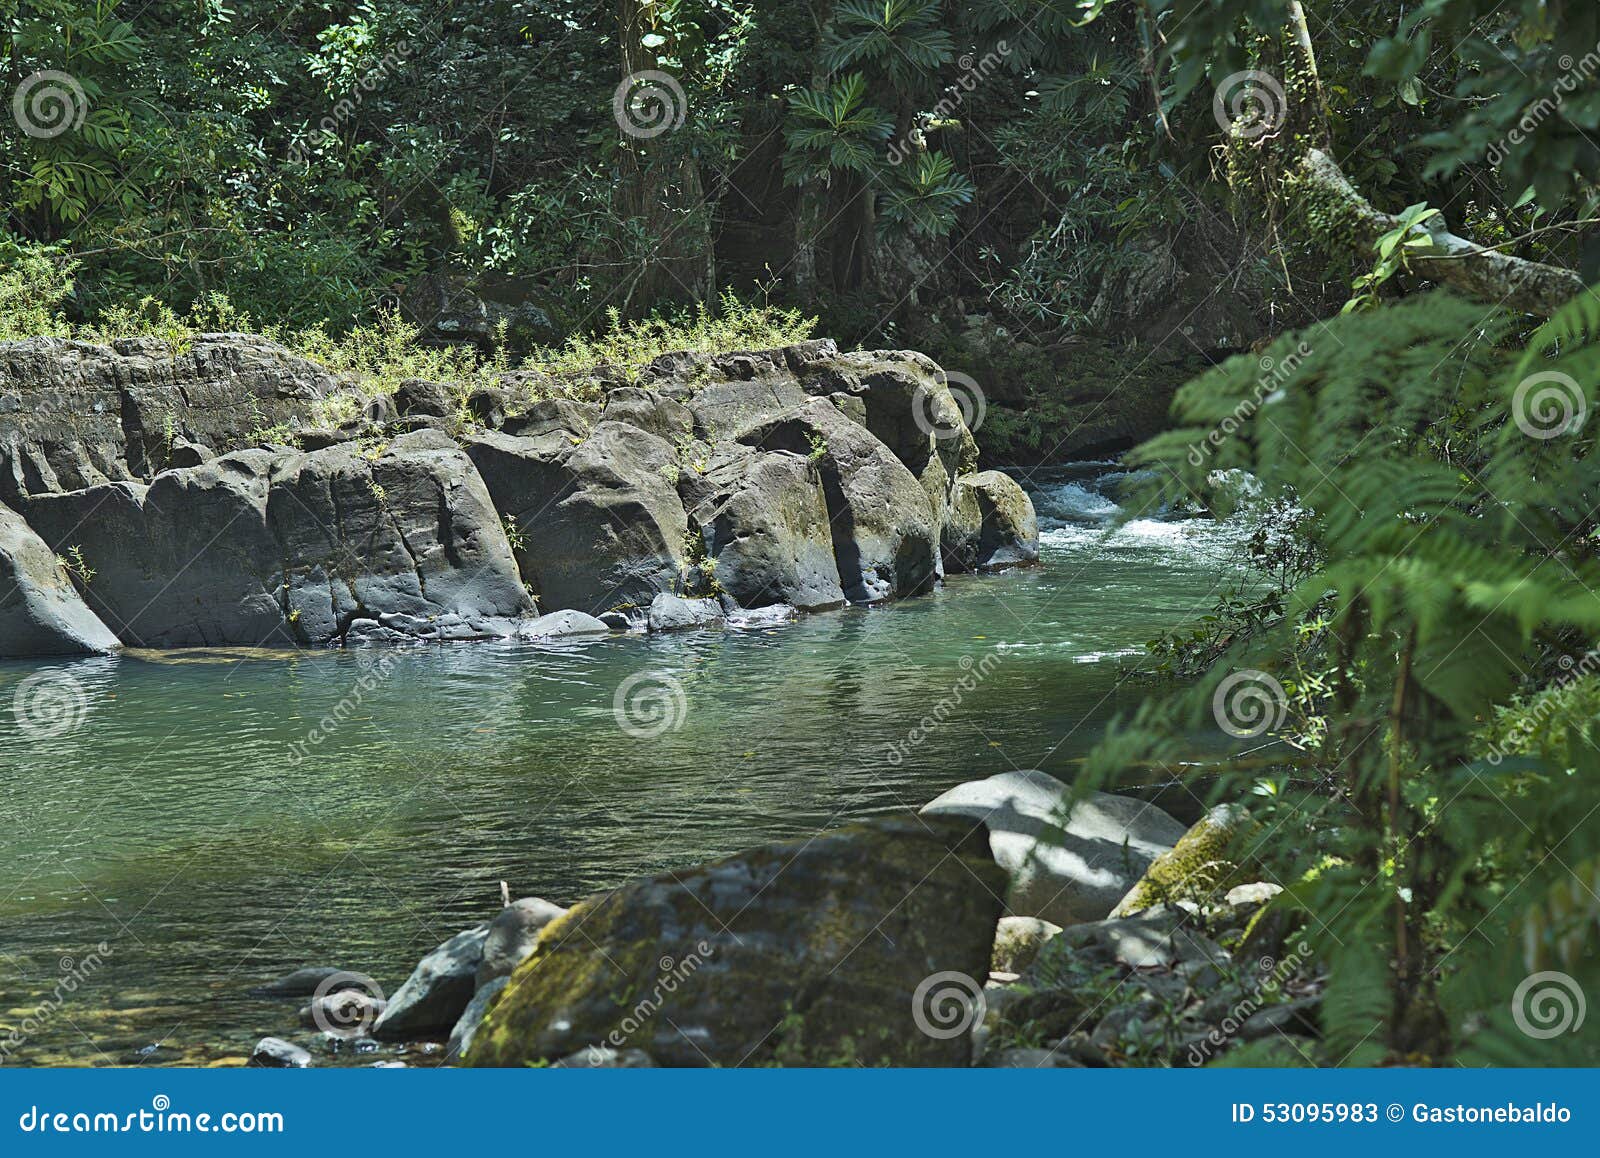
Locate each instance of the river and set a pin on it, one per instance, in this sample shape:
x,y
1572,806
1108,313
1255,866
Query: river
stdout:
x,y
215,820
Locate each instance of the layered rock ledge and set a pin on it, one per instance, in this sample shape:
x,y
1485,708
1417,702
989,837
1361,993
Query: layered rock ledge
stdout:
x,y
204,498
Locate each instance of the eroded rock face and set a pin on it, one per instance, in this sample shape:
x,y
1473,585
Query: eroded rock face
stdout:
x,y
278,548
41,612
795,477
599,518
990,523
75,415
805,952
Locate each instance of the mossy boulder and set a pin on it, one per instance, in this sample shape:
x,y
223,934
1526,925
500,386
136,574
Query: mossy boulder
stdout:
x,y
807,952
1195,870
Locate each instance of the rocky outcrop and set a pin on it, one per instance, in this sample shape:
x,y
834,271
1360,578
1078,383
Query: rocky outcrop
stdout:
x,y
41,612
214,502
264,548
75,415
990,524
1067,862
810,952
599,519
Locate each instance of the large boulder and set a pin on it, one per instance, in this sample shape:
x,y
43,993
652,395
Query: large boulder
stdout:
x,y
76,415
764,520
885,535
906,402
437,993
512,934
813,951
599,521
41,612
990,523
261,548
1067,862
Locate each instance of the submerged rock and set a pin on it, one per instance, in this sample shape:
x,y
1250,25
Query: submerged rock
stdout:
x,y
563,623
438,991
805,952
1064,866
41,612
304,982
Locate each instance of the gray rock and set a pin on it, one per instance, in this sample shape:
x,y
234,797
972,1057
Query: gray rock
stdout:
x,y
41,612
563,623
764,520
346,1011
990,523
419,397
675,613
302,982
885,535
549,415
275,1053
89,414
472,1017
286,548
762,618
438,991
811,951
601,522
664,417
1017,941
1155,939
512,934
904,399
1064,867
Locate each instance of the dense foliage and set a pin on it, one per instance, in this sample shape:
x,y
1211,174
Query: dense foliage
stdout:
x,y
1056,190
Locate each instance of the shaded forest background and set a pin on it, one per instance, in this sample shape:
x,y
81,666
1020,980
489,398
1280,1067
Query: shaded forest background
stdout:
x,y
1039,194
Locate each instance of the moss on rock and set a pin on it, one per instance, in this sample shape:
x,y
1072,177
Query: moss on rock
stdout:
x,y
806,952
1195,869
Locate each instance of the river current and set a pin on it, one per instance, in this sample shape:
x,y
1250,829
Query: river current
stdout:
x,y
191,824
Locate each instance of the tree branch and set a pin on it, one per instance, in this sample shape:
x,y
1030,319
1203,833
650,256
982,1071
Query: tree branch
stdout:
x,y
1344,217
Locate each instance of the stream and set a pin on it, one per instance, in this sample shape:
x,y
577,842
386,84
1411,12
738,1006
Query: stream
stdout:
x,y
199,823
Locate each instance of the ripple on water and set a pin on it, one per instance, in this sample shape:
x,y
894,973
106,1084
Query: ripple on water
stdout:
x,y
219,818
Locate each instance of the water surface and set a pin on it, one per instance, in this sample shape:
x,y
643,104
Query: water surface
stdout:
x,y
217,819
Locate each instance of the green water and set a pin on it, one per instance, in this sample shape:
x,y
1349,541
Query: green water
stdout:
x,y
186,821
